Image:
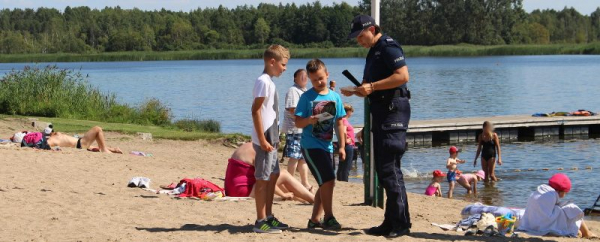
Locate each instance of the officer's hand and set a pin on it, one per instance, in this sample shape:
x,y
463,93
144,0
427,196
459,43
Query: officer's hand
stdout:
x,y
346,92
365,89
342,153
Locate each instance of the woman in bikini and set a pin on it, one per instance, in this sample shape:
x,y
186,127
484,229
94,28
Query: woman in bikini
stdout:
x,y
488,146
239,178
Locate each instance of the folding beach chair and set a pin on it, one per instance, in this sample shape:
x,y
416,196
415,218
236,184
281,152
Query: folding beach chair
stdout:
x,y
595,207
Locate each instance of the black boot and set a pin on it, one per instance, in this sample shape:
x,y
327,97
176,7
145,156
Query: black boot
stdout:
x,y
381,230
399,232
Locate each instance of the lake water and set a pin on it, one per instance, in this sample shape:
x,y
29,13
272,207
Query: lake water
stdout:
x,y
441,88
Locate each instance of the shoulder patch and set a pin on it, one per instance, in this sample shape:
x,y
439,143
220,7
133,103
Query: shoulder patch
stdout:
x,y
389,39
401,58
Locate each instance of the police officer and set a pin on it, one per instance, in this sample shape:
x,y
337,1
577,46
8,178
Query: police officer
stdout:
x,y
384,83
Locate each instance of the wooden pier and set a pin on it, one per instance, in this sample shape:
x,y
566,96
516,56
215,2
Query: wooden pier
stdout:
x,y
509,128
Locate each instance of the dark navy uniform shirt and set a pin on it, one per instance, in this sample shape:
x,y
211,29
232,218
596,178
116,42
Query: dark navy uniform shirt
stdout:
x,y
383,59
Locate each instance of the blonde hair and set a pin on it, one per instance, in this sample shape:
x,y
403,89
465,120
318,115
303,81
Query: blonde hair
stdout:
x,y
348,107
276,52
315,65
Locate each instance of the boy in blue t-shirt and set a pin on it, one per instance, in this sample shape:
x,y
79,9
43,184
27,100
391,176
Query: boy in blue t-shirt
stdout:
x,y
319,111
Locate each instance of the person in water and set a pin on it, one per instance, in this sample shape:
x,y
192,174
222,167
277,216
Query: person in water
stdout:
x,y
469,181
488,146
240,180
95,134
453,172
434,188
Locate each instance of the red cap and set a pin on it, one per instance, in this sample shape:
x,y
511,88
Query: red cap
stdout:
x,y
453,150
438,173
560,182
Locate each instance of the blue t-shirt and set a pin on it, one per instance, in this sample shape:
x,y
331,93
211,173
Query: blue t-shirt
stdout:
x,y
311,103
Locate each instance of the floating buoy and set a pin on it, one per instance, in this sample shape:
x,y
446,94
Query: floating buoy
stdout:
x,y
588,168
560,169
546,169
517,170
574,168
530,169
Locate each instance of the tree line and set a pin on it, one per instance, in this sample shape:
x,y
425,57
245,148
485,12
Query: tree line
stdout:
x,y
412,22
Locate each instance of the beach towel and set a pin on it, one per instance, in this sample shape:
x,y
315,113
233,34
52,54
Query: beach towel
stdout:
x,y
478,208
545,216
199,188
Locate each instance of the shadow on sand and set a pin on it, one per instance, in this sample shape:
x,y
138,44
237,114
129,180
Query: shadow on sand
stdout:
x,y
436,236
233,229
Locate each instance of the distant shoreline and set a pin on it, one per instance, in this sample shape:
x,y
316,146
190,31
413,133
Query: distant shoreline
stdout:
x,y
345,52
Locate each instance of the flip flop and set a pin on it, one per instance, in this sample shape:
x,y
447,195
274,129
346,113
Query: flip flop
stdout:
x,y
169,187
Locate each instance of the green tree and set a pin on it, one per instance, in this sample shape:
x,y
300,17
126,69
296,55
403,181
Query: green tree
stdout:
x,y
261,30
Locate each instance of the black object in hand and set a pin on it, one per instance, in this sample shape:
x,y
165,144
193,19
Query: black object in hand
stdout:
x,y
351,78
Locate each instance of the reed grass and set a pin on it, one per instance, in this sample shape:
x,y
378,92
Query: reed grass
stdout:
x,y
54,92
346,52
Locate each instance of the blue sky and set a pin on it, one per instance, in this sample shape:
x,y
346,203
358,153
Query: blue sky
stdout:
x,y
583,6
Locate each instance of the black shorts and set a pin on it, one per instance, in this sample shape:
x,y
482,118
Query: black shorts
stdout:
x,y
320,164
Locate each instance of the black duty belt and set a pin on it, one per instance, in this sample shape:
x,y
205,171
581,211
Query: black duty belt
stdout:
x,y
388,95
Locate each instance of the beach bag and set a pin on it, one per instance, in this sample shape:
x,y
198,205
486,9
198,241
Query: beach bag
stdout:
x,y
34,140
199,188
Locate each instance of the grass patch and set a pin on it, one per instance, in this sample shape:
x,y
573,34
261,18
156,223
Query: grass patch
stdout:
x,y
346,52
158,132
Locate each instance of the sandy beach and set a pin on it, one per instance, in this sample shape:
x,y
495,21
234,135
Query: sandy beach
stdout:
x,y
75,195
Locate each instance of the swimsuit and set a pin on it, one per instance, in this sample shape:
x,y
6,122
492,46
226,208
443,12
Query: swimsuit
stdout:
x,y
451,176
488,150
467,178
79,143
239,179
430,191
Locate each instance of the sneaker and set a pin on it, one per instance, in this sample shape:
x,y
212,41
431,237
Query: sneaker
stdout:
x,y
276,224
265,227
331,224
313,225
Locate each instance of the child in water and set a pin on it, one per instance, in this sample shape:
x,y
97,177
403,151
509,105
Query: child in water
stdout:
x,y
434,188
469,181
452,165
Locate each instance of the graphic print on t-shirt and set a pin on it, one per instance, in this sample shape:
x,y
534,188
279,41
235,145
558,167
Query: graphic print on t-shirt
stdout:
x,y
272,133
323,129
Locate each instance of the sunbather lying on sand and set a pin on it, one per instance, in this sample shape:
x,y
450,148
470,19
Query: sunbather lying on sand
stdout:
x,y
95,134
239,178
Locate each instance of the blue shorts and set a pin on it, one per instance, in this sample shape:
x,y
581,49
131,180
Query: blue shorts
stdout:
x,y
320,164
451,176
292,146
